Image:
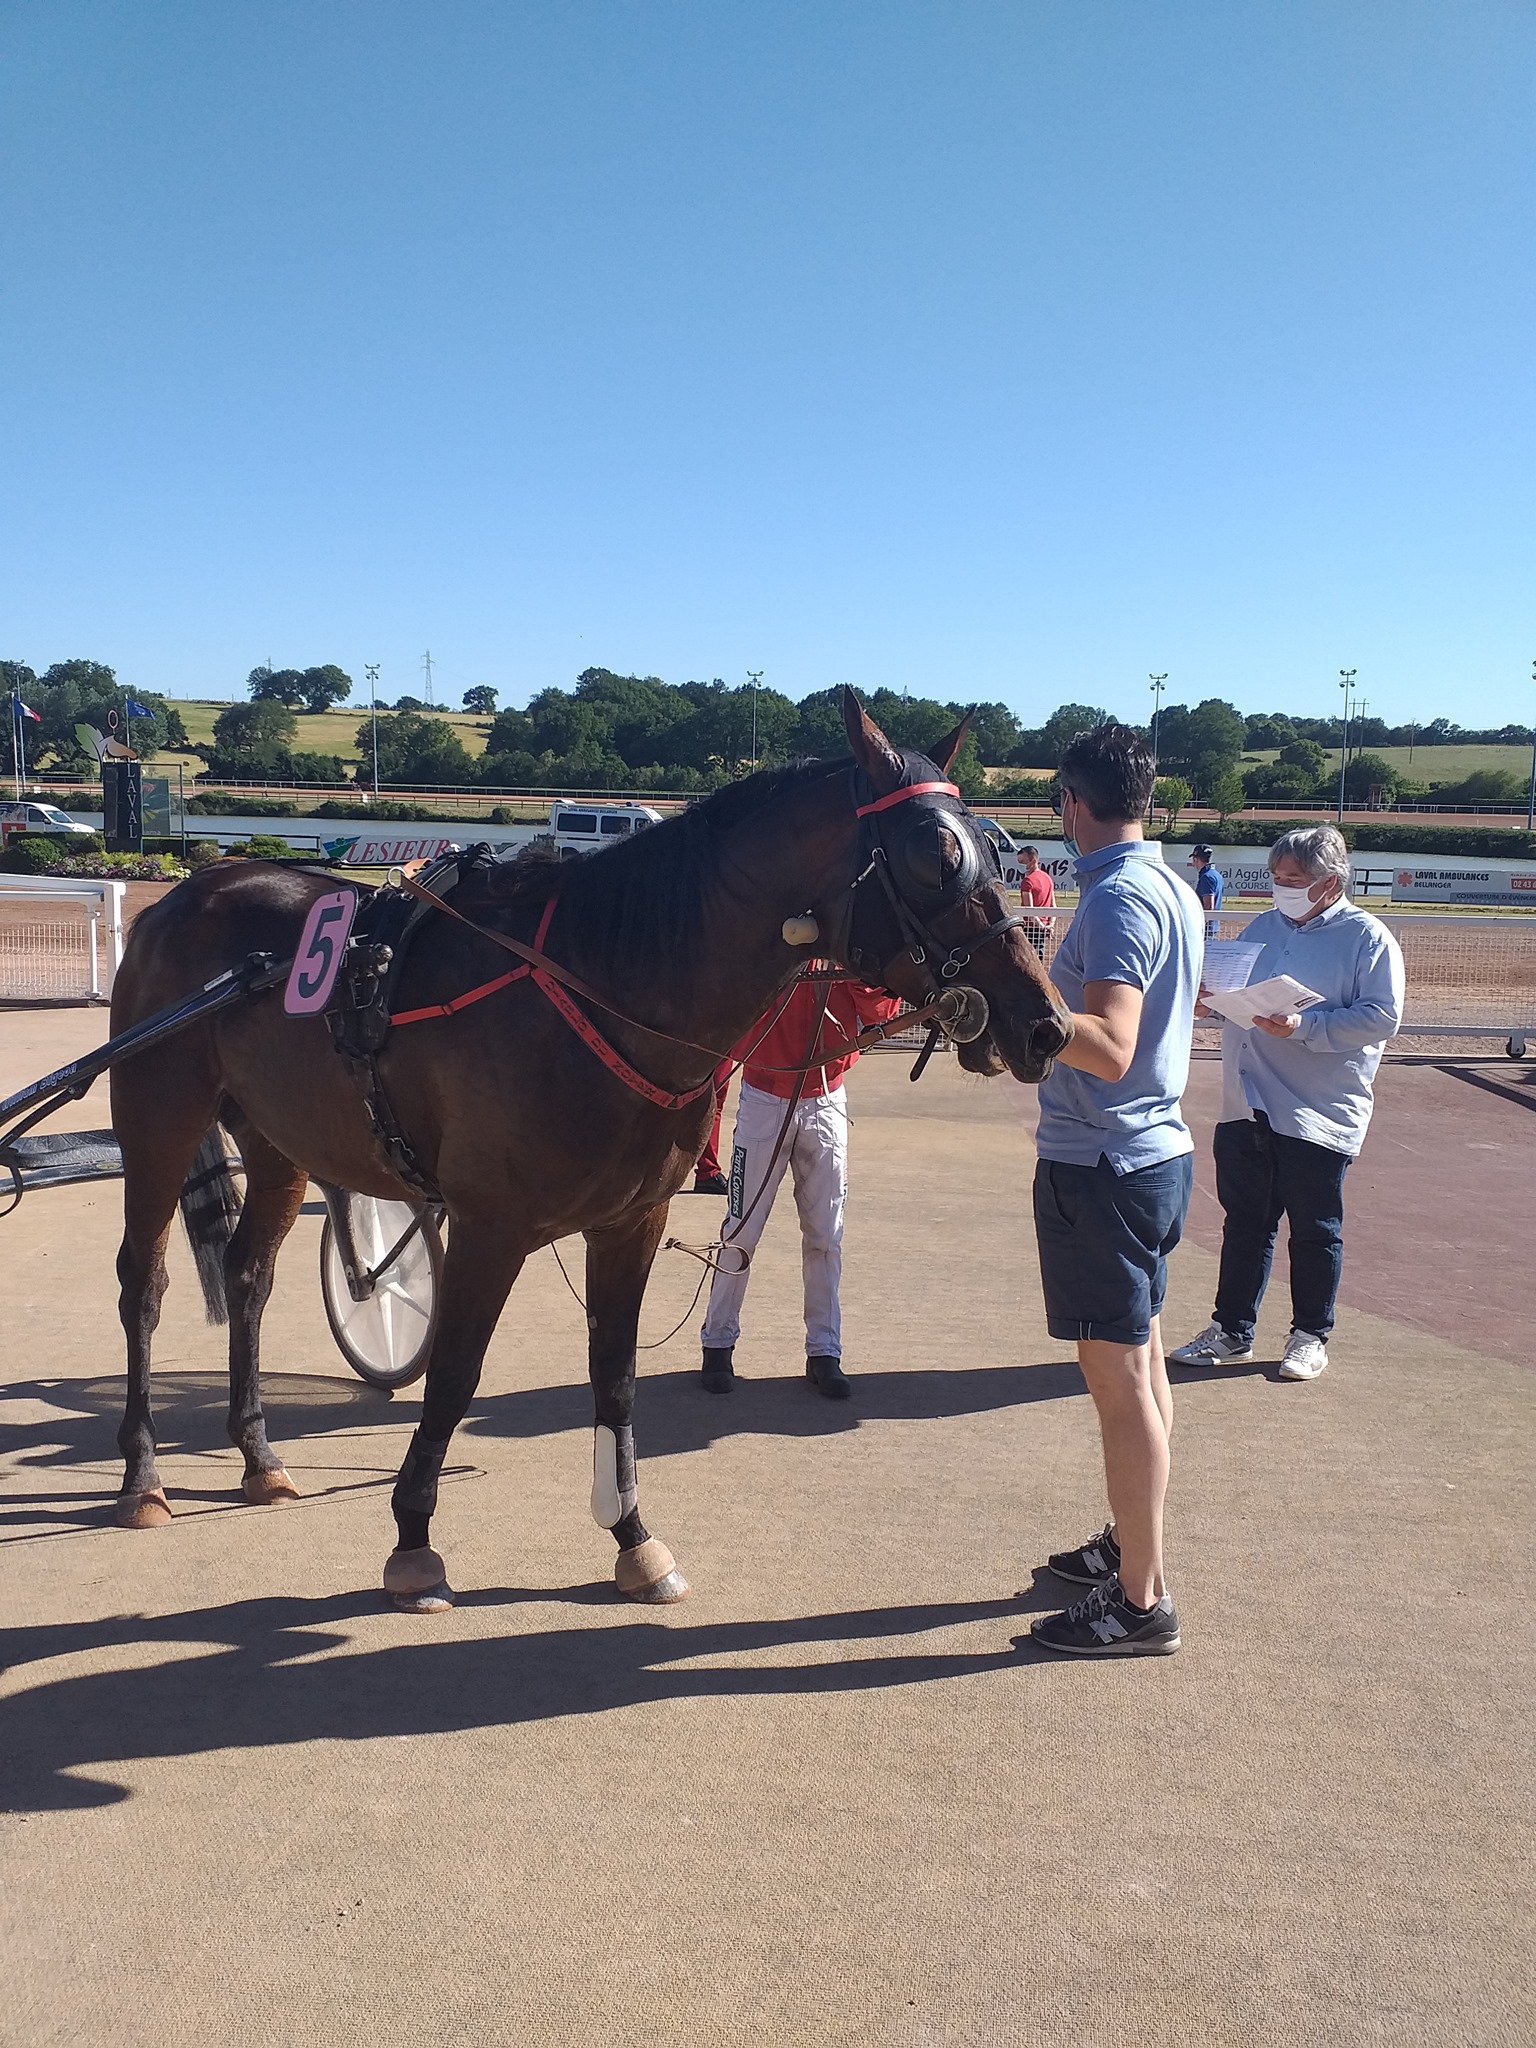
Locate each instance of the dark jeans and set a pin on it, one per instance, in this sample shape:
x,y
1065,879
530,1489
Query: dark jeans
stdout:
x,y
1260,1177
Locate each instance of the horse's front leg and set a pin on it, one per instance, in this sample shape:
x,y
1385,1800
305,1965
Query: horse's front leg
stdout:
x,y
479,1268
618,1266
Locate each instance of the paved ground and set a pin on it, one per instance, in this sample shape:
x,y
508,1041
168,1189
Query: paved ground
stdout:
x,y
830,1799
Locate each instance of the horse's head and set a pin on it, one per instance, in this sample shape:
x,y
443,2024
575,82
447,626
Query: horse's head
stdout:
x,y
928,915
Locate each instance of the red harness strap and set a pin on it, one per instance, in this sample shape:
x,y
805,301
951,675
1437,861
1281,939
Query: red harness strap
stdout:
x,y
486,988
578,1020
899,796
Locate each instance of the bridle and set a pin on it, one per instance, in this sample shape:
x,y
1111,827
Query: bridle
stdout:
x,y
907,856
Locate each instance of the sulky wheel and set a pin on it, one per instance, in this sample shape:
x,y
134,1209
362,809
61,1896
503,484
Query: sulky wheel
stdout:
x,y
386,1337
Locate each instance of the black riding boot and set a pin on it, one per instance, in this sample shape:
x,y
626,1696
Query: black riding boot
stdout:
x,y
719,1374
828,1377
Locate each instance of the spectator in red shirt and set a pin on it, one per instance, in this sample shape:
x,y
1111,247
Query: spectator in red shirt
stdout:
x,y
815,1150
1036,892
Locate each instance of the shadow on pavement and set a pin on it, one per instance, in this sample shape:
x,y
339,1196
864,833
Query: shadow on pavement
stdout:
x,y
673,1414
266,1686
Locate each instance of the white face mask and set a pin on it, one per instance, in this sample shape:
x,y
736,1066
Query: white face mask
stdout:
x,y
1295,903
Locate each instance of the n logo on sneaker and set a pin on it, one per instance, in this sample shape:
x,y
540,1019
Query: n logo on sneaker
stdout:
x,y
1108,1630
1094,1559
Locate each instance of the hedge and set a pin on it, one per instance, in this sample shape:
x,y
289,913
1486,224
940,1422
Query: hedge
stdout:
x,y
1478,842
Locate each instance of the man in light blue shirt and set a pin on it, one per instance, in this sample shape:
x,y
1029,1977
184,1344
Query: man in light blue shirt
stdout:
x,y
1297,1095
1113,1178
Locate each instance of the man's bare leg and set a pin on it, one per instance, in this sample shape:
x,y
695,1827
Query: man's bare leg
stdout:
x,y
1122,1380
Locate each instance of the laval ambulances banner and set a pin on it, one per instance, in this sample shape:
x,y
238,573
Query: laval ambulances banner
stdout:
x,y
1508,885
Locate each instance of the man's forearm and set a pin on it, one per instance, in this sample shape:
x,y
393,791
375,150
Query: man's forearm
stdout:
x,y
1097,1049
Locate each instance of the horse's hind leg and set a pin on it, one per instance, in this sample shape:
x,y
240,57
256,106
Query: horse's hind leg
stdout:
x,y
159,1141
618,1267
274,1193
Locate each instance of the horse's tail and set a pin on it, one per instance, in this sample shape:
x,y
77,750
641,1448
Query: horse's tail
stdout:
x,y
210,1209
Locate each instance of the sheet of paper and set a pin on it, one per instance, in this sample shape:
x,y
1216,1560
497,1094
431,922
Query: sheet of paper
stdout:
x,y
1280,996
1228,963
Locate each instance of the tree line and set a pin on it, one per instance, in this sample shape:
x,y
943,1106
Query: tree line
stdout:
x,y
616,731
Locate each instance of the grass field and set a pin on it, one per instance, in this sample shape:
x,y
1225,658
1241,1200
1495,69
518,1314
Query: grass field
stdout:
x,y
320,732
1436,764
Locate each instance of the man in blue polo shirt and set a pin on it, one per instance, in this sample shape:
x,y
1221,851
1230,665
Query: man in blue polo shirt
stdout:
x,y
1210,887
1113,1179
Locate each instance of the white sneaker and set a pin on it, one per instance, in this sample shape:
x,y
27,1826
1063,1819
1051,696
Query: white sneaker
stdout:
x,y
1212,1347
1305,1356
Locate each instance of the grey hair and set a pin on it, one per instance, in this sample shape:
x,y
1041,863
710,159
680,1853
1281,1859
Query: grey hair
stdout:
x,y
1320,849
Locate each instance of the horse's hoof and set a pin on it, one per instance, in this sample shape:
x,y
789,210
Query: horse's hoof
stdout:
x,y
417,1581
268,1487
147,1510
649,1572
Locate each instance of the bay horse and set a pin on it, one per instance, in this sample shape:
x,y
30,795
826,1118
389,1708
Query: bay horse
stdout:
x,y
524,1134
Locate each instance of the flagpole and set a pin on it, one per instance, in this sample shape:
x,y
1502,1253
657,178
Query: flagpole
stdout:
x,y
15,736
22,741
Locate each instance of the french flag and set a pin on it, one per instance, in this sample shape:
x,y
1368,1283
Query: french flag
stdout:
x,y
20,710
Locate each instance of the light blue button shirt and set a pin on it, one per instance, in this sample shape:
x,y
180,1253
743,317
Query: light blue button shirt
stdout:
x,y
1317,1084
1136,923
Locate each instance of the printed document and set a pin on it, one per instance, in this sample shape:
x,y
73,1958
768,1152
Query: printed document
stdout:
x,y
1280,996
1228,963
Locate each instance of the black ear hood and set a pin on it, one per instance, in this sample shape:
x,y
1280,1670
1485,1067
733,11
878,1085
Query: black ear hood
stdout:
x,y
936,857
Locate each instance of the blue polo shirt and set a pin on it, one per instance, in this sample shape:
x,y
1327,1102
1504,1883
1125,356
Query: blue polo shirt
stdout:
x,y
1211,887
1137,923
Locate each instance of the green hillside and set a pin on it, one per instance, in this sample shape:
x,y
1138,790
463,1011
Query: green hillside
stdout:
x,y
320,732
1436,764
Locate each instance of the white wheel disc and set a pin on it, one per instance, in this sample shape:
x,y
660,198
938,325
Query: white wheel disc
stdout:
x,y
389,1332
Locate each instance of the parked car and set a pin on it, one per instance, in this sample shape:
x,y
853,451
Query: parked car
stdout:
x,y
587,828
30,817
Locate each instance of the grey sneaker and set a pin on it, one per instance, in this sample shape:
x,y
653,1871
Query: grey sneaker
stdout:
x,y
1105,1625
1212,1347
1091,1563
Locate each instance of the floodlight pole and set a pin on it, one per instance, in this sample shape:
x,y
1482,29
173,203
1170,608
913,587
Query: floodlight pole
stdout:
x,y
1157,683
371,677
754,677
1346,684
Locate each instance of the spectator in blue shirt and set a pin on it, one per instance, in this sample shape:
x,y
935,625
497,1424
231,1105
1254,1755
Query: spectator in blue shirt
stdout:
x,y
1210,887
1297,1094
1113,1179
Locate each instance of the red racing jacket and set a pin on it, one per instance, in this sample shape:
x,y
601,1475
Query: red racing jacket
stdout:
x,y
850,1006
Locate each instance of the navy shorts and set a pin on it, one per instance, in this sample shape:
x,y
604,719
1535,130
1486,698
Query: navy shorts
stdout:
x,y
1104,1241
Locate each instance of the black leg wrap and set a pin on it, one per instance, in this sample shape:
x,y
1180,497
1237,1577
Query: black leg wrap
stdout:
x,y
415,1495
631,1532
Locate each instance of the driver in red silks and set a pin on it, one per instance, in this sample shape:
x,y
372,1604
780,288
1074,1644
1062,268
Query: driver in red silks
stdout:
x,y
815,1151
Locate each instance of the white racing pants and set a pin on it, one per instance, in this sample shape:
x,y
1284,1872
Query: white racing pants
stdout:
x,y
816,1152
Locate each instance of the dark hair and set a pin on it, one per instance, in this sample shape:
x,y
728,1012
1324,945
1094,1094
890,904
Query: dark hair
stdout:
x,y
1111,771
1031,849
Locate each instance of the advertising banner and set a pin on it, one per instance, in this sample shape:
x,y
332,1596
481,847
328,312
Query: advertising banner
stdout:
x,y
1467,884
393,851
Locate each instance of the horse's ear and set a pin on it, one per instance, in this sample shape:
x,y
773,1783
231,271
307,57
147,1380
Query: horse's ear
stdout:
x,y
942,753
871,749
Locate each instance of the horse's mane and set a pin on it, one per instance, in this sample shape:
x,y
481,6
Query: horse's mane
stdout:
x,y
638,902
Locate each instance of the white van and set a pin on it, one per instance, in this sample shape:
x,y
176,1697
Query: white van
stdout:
x,y
30,817
587,828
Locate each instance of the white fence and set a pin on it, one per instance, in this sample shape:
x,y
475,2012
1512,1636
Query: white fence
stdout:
x,y
60,941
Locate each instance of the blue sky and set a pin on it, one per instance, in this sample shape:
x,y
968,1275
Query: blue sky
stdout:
x,y
999,351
